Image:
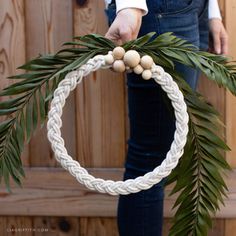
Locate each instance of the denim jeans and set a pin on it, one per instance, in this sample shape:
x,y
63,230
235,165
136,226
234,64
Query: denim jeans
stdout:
x,y
151,123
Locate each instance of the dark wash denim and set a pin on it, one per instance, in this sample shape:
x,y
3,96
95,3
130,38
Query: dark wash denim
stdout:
x,y
151,123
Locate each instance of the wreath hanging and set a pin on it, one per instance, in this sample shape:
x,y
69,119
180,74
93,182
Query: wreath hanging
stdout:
x,y
199,176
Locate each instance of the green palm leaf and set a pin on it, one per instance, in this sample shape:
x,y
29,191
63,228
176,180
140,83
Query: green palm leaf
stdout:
x,y
32,94
215,67
199,176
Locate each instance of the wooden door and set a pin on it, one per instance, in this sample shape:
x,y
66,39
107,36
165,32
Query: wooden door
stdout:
x,y
51,202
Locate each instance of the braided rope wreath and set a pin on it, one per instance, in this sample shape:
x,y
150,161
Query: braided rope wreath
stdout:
x,y
120,61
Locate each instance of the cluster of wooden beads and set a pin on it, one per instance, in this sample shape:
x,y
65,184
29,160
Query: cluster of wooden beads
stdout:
x,y
130,61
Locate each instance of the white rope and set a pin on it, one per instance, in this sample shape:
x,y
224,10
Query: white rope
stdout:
x,y
108,186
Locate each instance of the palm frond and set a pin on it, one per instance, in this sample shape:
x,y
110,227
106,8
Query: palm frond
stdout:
x,y
168,48
31,96
199,177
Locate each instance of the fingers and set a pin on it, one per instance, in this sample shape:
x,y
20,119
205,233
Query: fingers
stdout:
x,y
217,42
114,36
219,37
224,44
126,35
119,36
220,42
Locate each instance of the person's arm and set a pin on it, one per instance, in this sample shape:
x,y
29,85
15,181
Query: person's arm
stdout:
x,y
218,34
128,21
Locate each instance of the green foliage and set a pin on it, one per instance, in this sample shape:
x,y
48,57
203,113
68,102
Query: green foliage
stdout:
x,y
167,49
31,96
199,176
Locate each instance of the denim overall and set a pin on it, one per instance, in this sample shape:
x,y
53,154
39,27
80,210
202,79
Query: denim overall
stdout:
x,y
151,124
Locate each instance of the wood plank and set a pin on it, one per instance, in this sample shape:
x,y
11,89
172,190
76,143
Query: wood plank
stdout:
x,y
100,101
100,118
90,18
222,8
12,46
98,226
230,227
21,226
12,38
58,188
100,121
54,192
53,23
108,226
56,226
218,228
47,27
230,5
209,89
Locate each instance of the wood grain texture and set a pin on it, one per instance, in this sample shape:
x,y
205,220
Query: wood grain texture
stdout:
x,y
48,25
98,226
12,55
100,101
12,46
59,194
222,8
12,38
213,94
230,227
230,6
218,228
21,226
56,226
46,29
53,192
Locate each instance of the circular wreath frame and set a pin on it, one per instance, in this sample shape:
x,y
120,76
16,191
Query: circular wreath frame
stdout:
x,y
109,186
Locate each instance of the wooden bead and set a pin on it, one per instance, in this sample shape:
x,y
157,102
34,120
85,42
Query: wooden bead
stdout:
x,y
138,69
132,58
146,62
118,53
147,74
109,59
119,66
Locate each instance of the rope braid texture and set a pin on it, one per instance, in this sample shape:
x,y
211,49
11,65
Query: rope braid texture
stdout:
x,y
108,186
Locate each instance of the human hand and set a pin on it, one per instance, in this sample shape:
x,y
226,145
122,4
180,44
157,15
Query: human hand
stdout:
x,y
126,26
218,37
